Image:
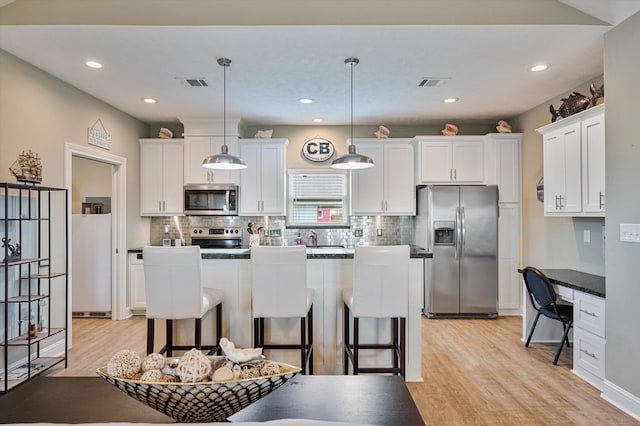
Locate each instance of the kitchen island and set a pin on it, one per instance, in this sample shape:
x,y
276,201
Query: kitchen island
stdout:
x,y
328,272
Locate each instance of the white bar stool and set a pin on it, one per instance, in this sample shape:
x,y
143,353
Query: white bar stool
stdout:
x,y
280,291
380,290
174,290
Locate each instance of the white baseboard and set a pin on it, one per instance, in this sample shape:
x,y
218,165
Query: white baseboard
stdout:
x,y
622,399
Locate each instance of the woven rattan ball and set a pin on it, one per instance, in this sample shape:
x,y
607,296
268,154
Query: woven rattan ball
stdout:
x,y
249,371
194,366
269,368
151,376
153,361
168,378
124,364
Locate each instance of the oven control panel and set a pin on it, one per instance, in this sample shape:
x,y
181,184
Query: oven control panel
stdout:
x,y
233,232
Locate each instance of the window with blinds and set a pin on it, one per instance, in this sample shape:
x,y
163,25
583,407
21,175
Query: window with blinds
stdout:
x,y
317,198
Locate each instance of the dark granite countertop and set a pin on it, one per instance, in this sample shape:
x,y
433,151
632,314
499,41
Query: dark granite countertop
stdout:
x,y
576,280
416,253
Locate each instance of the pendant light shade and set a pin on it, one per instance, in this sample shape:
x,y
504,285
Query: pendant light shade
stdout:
x,y
352,160
224,160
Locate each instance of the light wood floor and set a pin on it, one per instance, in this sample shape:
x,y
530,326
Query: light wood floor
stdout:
x,y
476,372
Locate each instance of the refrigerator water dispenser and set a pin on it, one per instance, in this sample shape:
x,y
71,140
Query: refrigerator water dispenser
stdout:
x,y
444,233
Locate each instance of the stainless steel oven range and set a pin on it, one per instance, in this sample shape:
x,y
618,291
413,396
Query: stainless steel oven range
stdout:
x,y
217,238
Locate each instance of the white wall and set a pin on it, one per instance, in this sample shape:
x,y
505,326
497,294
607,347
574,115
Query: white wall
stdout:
x,y
622,90
41,113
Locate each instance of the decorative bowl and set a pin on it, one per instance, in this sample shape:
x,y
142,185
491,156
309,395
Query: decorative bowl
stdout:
x,y
202,402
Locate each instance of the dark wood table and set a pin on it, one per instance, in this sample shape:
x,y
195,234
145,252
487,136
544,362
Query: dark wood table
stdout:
x,y
380,400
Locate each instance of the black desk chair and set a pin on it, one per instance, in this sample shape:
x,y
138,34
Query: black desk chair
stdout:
x,y
543,299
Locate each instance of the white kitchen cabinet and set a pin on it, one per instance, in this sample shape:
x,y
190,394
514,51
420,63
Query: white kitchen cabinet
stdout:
x,y
574,164
137,298
589,338
503,165
263,182
593,165
196,148
450,160
161,187
509,287
388,188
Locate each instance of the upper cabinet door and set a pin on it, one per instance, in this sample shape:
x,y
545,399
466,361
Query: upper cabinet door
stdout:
x,y
273,180
593,165
173,187
250,187
399,187
367,189
436,159
468,162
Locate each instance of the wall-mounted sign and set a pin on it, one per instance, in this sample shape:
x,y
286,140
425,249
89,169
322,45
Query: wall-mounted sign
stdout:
x,y
98,137
317,150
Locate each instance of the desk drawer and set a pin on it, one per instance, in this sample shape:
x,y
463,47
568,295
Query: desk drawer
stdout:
x,y
588,313
564,293
588,352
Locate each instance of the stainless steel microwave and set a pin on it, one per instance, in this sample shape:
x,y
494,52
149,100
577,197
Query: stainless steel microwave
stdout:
x,y
211,200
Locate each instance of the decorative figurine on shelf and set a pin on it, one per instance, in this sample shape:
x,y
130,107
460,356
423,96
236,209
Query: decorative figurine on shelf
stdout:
x,y
597,95
503,127
576,102
382,133
27,168
450,130
14,251
165,133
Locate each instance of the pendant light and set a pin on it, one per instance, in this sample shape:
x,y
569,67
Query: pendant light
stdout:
x,y
352,160
224,160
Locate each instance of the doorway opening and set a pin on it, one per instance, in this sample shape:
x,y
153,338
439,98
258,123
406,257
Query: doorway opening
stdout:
x,y
118,226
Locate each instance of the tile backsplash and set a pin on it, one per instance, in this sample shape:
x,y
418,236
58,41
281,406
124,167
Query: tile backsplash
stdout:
x,y
380,230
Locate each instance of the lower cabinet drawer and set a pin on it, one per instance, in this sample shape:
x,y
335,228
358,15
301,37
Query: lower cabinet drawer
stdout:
x,y
588,352
588,313
564,293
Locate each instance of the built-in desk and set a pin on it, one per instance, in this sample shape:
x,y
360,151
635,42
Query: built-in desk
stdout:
x,y
587,294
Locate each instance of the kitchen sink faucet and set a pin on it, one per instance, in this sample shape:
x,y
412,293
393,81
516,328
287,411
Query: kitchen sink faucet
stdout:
x,y
313,239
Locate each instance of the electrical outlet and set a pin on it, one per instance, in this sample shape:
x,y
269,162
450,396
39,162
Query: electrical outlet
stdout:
x,y
586,236
379,232
275,233
357,233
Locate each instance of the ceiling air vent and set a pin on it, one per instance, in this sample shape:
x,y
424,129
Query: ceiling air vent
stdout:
x,y
193,82
433,82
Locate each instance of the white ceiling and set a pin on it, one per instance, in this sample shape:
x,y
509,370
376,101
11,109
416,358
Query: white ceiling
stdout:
x,y
274,66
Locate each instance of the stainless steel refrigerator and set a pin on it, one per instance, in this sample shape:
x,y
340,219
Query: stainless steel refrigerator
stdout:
x,y
459,225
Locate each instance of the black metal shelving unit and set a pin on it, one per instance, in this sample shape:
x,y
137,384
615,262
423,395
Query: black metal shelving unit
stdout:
x,y
34,290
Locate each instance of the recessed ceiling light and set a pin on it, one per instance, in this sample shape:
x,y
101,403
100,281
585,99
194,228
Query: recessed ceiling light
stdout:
x,y
318,120
149,100
540,67
93,64
305,101
450,100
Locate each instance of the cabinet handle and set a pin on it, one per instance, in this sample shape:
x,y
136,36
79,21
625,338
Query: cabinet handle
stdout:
x,y
164,206
450,174
591,314
601,200
386,205
587,353
258,205
560,197
455,174
159,205
557,208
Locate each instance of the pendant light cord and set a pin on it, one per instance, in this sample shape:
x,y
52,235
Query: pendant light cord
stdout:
x,y
352,65
224,105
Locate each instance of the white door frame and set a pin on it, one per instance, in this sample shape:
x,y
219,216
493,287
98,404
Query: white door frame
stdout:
x,y
119,226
